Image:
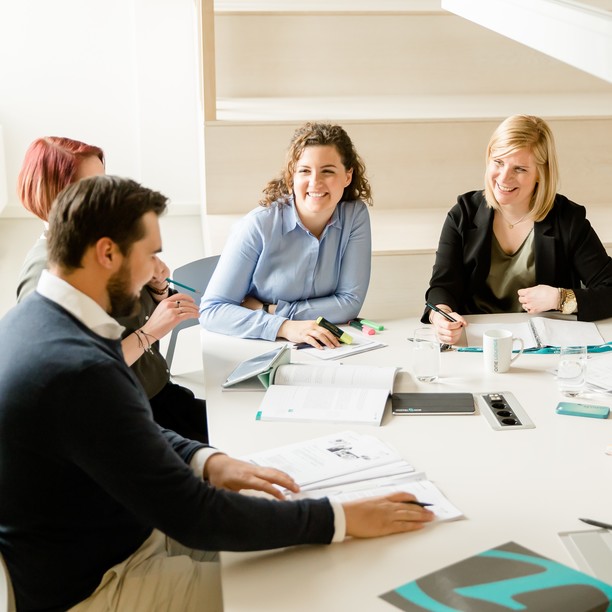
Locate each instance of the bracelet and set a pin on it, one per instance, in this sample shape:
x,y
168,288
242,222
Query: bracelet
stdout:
x,y
561,298
159,291
146,336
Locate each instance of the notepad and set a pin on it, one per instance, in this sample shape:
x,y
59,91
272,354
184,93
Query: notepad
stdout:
x,y
432,403
539,332
360,344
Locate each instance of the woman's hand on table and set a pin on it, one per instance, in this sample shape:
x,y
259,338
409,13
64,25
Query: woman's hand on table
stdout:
x,y
309,332
539,298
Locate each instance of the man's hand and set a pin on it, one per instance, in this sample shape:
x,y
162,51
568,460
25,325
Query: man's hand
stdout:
x,y
379,516
225,472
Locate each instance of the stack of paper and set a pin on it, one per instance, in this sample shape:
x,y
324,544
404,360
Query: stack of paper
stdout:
x,y
360,344
599,373
346,466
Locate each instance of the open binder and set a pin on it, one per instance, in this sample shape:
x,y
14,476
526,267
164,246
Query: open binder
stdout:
x,y
541,333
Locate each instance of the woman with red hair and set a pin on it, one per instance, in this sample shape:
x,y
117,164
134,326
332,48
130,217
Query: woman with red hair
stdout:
x,y
52,163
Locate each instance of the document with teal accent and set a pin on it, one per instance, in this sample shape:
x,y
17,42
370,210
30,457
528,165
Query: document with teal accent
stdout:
x,y
540,332
508,577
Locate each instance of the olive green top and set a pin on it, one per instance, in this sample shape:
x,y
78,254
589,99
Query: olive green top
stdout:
x,y
507,275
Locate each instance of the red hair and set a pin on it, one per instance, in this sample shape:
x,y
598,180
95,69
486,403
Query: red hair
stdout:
x,y
50,164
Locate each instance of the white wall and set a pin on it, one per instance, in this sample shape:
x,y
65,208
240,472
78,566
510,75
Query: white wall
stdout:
x,y
120,74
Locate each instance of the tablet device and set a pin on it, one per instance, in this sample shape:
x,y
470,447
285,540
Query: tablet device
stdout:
x,y
250,368
432,403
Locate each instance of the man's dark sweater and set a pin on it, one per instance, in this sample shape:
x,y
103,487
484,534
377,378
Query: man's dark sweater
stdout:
x,y
86,474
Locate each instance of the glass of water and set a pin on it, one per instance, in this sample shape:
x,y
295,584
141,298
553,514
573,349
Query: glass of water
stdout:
x,y
571,373
426,354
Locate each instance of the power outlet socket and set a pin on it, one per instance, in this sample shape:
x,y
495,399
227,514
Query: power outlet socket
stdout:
x,y
503,411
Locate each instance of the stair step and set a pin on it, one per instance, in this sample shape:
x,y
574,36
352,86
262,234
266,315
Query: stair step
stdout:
x,y
413,107
325,6
397,232
411,164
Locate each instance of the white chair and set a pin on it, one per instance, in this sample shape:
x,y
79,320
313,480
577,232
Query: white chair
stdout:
x,y
7,597
196,275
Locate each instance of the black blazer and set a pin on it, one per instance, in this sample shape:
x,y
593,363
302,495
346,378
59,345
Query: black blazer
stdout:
x,y
568,254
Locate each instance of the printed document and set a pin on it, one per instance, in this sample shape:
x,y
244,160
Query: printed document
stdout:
x,y
339,394
347,466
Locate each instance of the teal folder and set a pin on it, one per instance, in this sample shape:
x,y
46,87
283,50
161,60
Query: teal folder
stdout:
x,y
508,577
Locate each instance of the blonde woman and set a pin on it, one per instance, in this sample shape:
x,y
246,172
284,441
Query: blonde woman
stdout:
x,y
518,245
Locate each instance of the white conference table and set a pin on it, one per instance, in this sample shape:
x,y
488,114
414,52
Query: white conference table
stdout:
x,y
522,485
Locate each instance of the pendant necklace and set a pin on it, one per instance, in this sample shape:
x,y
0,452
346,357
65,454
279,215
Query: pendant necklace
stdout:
x,y
511,225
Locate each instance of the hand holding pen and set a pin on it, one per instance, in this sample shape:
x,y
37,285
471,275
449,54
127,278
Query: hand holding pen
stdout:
x,y
448,325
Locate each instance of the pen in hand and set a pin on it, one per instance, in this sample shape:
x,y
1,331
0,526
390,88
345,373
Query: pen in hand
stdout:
x,y
183,286
418,503
440,311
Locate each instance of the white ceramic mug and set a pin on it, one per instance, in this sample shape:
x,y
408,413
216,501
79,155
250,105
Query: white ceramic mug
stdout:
x,y
497,346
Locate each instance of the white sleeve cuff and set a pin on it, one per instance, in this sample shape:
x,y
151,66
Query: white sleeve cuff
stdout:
x,y
199,459
339,522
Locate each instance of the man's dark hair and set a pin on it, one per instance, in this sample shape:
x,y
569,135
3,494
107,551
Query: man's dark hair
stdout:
x,y
94,208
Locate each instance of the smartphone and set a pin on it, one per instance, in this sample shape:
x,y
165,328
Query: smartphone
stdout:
x,y
585,410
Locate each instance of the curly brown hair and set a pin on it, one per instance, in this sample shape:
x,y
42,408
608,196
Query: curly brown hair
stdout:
x,y
320,134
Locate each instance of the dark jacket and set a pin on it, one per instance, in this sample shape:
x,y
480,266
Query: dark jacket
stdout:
x,y
86,474
568,254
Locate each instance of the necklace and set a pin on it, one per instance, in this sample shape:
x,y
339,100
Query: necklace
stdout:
x,y
511,225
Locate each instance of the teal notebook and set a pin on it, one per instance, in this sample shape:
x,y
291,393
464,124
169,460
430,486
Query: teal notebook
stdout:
x,y
508,577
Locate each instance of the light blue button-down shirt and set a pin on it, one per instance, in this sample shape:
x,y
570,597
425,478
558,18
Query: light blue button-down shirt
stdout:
x,y
271,256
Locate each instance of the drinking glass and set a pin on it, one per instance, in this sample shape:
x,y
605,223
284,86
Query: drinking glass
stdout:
x,y
426,354
571,373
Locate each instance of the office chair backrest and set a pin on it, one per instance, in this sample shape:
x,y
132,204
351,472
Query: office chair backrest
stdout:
x,y
196,275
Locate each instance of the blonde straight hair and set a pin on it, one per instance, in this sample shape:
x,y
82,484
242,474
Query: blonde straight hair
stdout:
x,y
532,133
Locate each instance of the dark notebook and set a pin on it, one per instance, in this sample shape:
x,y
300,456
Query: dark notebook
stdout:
x,y
508,577
432,403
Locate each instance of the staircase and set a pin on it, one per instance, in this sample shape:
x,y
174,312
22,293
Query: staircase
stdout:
x,y
418,89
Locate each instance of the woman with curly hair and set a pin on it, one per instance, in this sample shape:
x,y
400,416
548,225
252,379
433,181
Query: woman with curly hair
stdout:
x,y
304,253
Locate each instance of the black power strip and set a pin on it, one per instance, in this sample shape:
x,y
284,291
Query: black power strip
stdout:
x,y
503,411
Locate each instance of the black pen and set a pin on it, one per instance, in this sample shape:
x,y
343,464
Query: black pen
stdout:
x,y
418,503
595,523
443,346
440,311
305,345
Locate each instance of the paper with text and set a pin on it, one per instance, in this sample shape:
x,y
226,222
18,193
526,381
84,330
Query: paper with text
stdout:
x,y
327,457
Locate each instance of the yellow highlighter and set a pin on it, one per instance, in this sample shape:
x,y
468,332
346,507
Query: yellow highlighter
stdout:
x,y
342,336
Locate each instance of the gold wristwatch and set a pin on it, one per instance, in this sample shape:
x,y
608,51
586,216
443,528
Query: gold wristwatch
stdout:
x,y
568,303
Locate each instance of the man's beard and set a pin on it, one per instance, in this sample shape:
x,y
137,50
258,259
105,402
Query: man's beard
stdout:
x,y
122,302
